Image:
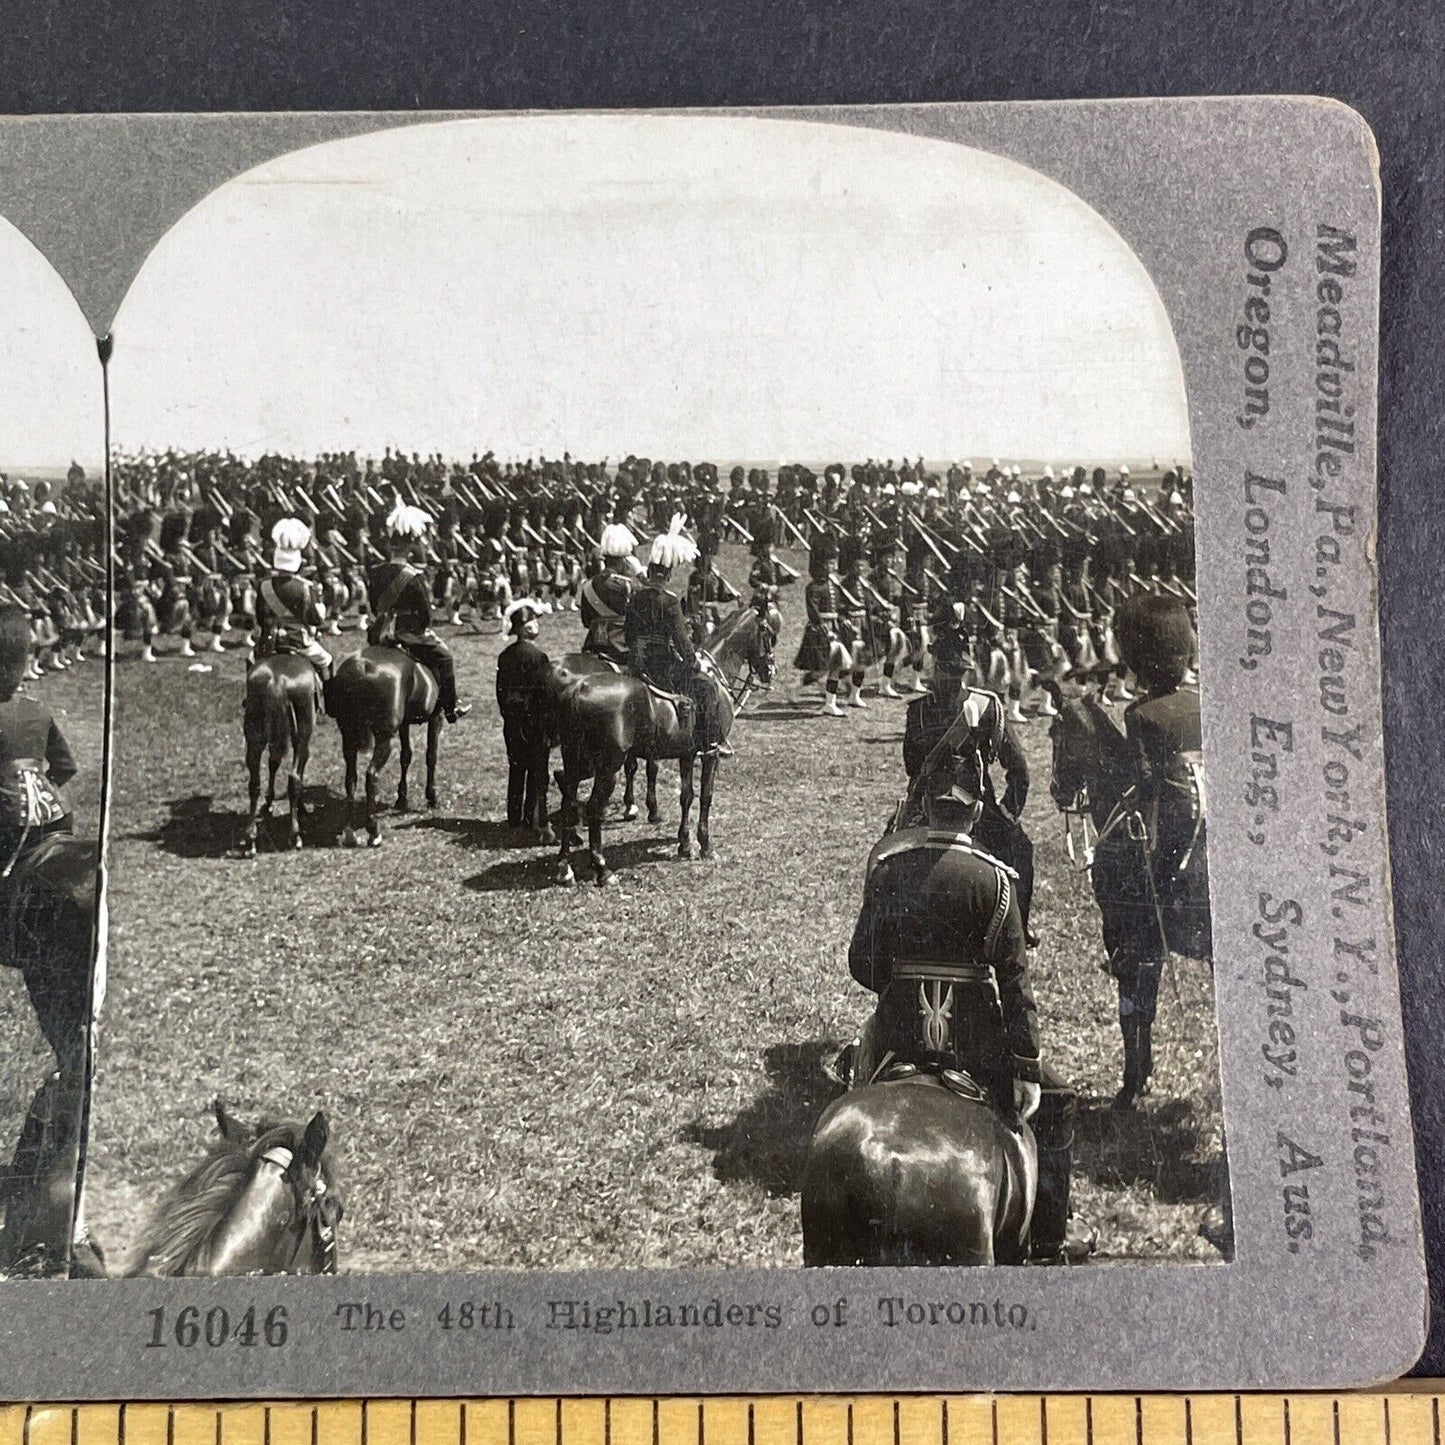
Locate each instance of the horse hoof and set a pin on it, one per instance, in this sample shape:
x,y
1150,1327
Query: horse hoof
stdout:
x,y
431,801
629,815
248,850
706,851
296,843
266,810
565,876
606,878
655,816
684,850
403,805
546,838
348,838
374,841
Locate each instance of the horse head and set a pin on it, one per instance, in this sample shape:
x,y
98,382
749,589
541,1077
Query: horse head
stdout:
x,y
263,1202
1090,767
743,642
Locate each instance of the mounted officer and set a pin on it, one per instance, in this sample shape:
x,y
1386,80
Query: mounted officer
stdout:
x,y
940,940
957,727
401,607
35,764
289,608
605,595
659,645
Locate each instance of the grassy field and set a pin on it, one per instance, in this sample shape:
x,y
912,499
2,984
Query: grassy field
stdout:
x,y
518,1074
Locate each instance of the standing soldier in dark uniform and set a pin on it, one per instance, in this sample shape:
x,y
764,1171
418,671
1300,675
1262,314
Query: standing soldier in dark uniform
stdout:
x,y
174,573
401,607
707,588
955,726
939,939
521,694
768,575
1156,641
823,649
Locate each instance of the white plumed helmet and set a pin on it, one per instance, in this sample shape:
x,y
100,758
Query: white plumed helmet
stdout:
x,y
617,540
290,538
408,521
525,609
673,548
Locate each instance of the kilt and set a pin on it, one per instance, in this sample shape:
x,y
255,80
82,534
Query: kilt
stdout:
x,y
814,653
1037,649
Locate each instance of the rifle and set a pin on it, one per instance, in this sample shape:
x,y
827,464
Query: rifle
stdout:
x,y
854,602
737,526
1024,597
932,545
791,526
904,583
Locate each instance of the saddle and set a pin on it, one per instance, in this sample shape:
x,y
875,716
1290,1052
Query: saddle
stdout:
x,y
602,648
680,702
60,868
955,1080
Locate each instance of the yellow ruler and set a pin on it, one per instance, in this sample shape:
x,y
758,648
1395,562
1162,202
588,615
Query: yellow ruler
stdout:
x,y
1401,1415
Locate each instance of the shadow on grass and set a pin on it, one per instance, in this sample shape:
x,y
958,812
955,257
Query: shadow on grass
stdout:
x,y
196,828
539,868
487,834
1156,1145
492,835
767,1143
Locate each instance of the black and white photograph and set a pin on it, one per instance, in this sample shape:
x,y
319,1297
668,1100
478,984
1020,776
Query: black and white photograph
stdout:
x,y
657,717
53,612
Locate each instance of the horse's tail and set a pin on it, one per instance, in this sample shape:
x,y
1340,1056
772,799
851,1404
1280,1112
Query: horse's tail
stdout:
x,y
269,712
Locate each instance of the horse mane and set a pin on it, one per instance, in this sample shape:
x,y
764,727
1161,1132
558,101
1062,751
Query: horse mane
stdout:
x,y
188,1215
728,625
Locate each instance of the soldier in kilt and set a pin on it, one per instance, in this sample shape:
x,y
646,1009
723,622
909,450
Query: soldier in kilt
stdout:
x,y
823,651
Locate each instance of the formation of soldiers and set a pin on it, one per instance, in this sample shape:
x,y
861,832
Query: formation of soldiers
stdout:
x,y
52,563
1031,567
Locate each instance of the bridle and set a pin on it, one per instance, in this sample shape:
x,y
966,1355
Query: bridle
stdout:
x,y
741,688
308,1209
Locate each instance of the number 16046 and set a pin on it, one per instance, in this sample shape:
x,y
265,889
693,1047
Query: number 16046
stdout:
x,y
189,1327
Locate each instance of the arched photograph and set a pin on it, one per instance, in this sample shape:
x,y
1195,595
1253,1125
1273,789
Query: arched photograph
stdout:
x,y
52,696
657,717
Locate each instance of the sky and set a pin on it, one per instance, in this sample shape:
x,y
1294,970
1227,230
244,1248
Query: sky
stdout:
x,y
51,409
672,286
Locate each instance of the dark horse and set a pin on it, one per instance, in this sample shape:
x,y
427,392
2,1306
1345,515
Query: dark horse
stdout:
x,y
263,1201
282,697
376,696
601,718
49,916
735,656
909,1172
